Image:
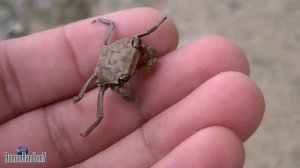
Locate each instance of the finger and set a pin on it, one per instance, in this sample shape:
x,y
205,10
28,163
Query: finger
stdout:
x,y
210,147
50,66
219,101
181,71
61,123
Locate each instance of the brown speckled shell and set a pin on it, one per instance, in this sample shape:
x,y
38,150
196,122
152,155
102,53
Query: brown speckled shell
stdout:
x,y
116,59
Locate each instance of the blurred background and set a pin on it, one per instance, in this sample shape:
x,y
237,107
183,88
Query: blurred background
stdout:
x,y
268,31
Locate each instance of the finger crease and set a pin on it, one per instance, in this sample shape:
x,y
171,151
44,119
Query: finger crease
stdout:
x,y
146,140
72,52
53,136
21,105
6,95
141,112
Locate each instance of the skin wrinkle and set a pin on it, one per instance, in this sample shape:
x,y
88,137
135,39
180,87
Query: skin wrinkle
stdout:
x,y
15,83
139,110
52,136
70,49
148,145
67,144
5,92
142,119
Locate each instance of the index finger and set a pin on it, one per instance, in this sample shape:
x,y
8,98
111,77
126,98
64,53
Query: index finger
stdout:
x,y
51,66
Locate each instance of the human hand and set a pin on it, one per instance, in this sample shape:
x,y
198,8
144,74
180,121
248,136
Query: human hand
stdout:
x,y
187,113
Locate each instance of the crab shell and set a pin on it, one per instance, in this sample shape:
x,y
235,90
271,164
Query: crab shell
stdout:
x,y
117,58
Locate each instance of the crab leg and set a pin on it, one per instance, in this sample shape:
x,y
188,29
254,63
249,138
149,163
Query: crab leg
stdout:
x,y
99,112
83,89
152,29
111,26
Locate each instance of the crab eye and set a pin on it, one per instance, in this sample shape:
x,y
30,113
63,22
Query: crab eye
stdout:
x,y
123,78
136,42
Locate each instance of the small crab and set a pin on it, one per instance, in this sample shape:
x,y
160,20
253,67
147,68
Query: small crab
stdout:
x,y
116,65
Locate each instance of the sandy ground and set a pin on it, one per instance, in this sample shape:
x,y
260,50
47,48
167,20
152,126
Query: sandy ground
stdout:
x,y
268,31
